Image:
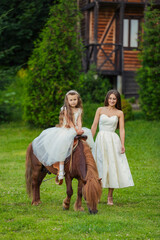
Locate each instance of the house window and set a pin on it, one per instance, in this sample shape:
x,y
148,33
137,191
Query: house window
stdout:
x,y
130,33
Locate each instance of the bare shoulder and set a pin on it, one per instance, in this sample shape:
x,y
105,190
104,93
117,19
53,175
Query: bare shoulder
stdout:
x,y
80,110
100,109
120,113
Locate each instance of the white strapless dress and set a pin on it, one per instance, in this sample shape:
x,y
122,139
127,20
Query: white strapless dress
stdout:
x,y
55,144
112,166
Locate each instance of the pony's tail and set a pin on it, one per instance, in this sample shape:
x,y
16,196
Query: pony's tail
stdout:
x,y
28,174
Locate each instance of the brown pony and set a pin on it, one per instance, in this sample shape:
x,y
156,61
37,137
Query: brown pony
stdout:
x,y
79,165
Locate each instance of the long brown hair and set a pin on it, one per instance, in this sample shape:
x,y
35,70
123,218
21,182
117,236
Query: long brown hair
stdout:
x,y
66,107
117,94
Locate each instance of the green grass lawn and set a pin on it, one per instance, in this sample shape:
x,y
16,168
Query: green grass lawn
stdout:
x,y
136,210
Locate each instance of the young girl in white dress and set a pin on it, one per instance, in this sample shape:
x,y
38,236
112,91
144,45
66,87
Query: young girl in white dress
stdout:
x,y
55,144
109,150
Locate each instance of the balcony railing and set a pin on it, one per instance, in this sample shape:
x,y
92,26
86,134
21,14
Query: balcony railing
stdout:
x,y
125,1
130,1
106,56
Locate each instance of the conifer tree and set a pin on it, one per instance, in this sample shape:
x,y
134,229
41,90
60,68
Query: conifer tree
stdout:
x,y
148,76
54,65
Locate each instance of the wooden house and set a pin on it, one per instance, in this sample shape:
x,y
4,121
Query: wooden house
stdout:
x,y
110,29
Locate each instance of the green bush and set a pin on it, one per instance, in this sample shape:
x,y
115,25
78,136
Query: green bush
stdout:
x,y
54,65
6,77
127,109
89,113
93,87
148,76
131,100
5,109
10,96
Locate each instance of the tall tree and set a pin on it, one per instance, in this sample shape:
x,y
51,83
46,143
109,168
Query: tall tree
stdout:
x,y
21,22
148,75
54,66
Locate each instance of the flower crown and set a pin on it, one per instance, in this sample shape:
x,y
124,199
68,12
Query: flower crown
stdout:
x,y
72,91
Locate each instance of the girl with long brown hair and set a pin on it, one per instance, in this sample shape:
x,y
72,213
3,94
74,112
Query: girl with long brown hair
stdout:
x,y
109,150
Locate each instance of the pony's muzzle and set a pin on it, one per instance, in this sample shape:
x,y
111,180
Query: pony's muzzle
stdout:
x,y
92,211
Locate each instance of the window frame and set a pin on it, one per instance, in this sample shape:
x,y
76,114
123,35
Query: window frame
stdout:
x,y
130,18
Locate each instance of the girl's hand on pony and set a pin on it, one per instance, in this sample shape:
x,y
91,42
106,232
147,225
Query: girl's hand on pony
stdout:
x,y
79,131
67,126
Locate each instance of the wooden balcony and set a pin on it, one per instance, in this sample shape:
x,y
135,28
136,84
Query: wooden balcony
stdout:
x,y
125,1
86,5
129,1
106,56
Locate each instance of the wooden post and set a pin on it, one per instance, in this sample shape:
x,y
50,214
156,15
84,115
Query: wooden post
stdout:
x,y
86,40
96,7
87,27
119,83
145,9
120,87
121,35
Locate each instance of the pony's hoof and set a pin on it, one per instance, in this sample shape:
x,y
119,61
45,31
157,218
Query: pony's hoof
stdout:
x,y
58,182
80,209
65,209
65,206
36,203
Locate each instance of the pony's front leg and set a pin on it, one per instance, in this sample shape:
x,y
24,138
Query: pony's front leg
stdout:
x,y
78,203
37,180
66,201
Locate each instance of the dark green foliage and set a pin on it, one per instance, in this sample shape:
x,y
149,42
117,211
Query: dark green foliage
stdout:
x,y
89,113
93,87
131,100
10,95
148,76
127,110
54,66
20,24
6,77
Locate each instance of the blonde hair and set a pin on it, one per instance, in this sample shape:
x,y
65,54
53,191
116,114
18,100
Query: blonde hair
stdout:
x,y
66,107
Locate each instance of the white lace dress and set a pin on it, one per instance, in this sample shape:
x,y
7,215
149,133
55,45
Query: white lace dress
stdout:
x,y
55,144
112,166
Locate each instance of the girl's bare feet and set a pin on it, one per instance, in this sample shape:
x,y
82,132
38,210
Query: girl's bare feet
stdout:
x,y
110,201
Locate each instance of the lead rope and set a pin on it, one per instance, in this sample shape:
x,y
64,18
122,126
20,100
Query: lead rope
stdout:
x,y
48,179
73,148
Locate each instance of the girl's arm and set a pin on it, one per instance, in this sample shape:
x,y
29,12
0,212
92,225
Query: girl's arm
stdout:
x,y
70,124
122,131
95,122
79,124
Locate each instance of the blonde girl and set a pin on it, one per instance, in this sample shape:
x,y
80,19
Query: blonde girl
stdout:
x,y
55,144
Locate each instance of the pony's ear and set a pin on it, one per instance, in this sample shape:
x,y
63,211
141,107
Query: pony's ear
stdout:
x,y
83,137
99,180
84,181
